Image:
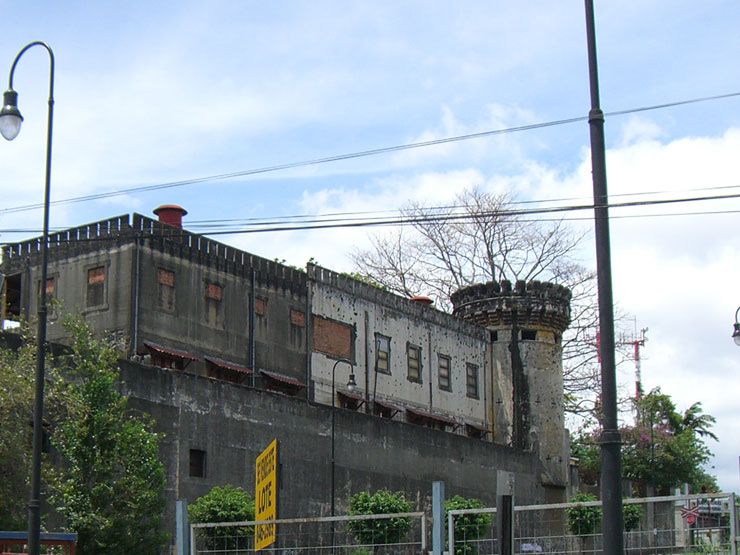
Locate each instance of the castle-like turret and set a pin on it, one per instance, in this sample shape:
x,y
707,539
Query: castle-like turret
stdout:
x,y
526,323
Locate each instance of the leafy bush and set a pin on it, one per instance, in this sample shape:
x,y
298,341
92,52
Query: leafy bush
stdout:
x,y
632,516
583,521
224,504
381,531
469,526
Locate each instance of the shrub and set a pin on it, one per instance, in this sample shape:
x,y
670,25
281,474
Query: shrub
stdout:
x,y
632,516
382,531
224,504
469,526
583,521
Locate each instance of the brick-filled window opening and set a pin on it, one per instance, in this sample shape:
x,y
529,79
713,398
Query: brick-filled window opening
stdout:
x,y
471,380
382,354
443,372
166,289
214,297
260,306
413,358
95,286
197,463
51,289
297,318
333,338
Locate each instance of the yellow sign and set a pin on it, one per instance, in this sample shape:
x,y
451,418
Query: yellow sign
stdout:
x,y
265,495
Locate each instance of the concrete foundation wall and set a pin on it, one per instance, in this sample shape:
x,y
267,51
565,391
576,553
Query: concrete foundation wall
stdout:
x,y
233,423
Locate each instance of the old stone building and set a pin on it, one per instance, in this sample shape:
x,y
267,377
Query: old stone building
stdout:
x,y
229,350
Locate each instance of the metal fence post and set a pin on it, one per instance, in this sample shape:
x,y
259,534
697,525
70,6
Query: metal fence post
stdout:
x,y
182,527
438,518
505,511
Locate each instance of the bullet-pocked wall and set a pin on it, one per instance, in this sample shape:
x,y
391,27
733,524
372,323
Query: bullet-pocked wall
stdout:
x,y
526,323
403,351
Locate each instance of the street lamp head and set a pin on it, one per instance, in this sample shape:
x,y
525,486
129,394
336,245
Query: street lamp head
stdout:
x,y
736,334
10,116
351,384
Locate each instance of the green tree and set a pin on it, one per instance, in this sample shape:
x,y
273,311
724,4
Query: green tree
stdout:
x,y
467,527
224,504
110,482
381,531
664,448
17,378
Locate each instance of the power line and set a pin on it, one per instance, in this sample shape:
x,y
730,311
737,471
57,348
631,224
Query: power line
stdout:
x,y
362,154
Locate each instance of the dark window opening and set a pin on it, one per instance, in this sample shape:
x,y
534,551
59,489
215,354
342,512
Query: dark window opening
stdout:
x,y
413,357
471,380
475,432
443,372
166,289
96,286
10,294
163,360
529,335
382,354
494,336
197,463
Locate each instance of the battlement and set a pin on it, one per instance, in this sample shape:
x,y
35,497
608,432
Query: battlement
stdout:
x,y
368,292
178,242
535,304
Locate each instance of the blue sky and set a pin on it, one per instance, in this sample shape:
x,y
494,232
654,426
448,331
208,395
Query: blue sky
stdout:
x,y
154,92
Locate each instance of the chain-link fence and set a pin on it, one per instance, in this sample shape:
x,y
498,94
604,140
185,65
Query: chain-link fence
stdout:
x,y
397,534
703,523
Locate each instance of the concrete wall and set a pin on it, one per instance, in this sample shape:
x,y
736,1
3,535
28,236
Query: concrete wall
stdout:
x,y
234,423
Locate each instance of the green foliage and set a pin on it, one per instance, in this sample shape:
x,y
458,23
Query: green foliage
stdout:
x,y
583,520
110,484
632,514
664,448
363,278
382,531
468,527
224,504
17,379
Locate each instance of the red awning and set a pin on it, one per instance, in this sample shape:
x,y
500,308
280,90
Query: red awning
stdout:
x,y
478,427
428,415
388,405
162,350
350,395
225,364
282,378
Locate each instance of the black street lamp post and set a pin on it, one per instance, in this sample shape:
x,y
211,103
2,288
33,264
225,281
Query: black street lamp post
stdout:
x,y
351,384
10,126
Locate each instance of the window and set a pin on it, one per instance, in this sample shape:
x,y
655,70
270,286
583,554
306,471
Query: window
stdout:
x,y
529,335
197,463
382,354
297,318
494,336
443,372
166,289
214,295
51,288
471,380
413,359
96,286
260,306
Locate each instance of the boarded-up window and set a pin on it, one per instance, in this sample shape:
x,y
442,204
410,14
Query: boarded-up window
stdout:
x,y
297,318
166,289
214,295
96,286
413,356
332,338
443,372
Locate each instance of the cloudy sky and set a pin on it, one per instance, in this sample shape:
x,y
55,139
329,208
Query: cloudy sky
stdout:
x,y
149,93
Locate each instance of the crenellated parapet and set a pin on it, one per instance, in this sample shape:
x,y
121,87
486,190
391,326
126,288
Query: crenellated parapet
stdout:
x,y
534,304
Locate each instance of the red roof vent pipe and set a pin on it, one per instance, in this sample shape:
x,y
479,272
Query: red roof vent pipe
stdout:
x,y
422,299
170,214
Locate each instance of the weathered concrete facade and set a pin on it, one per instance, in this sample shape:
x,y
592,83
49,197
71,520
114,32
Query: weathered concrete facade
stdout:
x,y
208,329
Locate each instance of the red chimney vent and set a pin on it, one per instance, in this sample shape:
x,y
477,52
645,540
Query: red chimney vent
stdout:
x,y
422,299
170,214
